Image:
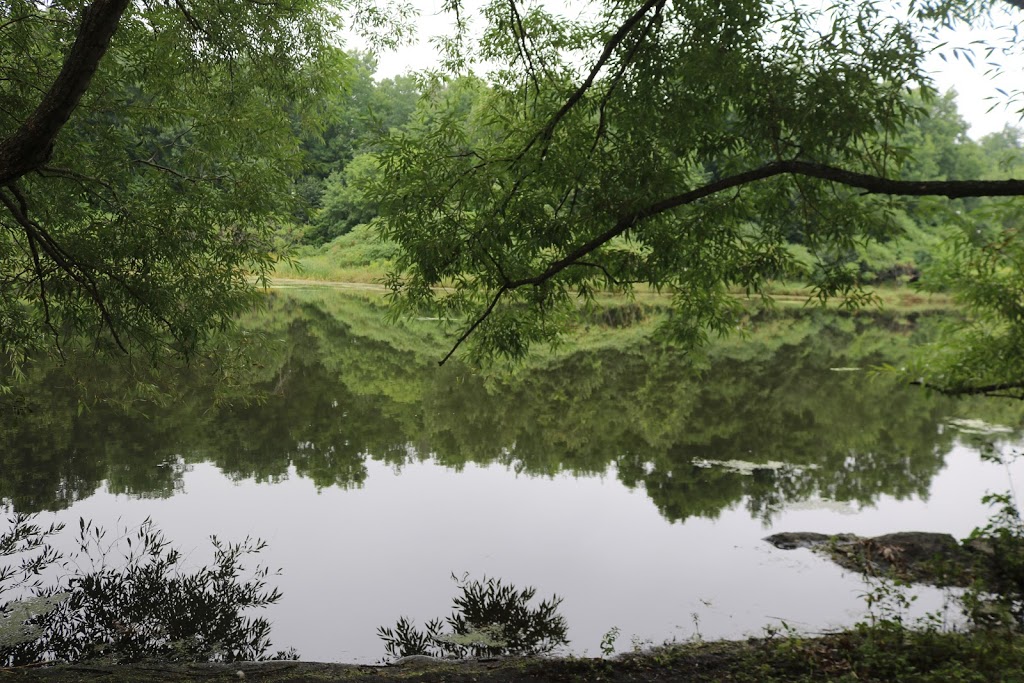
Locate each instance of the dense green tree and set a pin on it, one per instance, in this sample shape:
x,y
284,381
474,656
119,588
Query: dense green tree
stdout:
x,y
147,153
669,144
343,204
145,158
355,114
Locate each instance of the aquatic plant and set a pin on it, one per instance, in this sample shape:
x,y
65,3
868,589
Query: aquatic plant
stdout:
x,y
996,597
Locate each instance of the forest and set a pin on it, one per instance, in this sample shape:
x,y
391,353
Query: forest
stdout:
x,y
692,271
333,222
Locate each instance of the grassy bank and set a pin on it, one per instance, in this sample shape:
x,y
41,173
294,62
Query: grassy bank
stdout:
x,y
620,321
359,263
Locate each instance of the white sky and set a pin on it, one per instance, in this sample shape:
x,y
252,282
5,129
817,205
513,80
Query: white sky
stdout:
x,y
977,90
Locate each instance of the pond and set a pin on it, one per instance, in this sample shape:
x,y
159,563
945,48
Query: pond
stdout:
x,y
635,482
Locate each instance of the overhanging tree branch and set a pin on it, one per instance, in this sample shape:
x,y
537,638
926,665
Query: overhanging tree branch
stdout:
x,y
870,184
606,54
37,236
476,323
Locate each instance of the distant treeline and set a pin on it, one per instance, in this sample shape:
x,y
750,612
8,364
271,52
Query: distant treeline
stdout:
x,y
338,160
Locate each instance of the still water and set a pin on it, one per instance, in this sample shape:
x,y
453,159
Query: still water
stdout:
x,y
633,481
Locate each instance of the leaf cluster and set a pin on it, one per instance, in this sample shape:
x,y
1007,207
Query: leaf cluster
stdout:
x,y
491,618
130,598
562,180
158,200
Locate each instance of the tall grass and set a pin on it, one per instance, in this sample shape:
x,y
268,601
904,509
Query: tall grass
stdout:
x,y
357,256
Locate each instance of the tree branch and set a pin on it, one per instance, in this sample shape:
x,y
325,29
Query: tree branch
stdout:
x,y
31,145
609,48
41,277
953,189
476,323
64,261
871,184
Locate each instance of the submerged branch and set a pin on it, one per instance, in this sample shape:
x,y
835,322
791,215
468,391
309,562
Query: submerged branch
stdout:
x,y
997,390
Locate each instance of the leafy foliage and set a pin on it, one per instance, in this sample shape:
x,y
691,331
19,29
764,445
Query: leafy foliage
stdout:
x,y
27,541
996,599
158,199
141,605
491,618
983,268
559,180
770,396
700,149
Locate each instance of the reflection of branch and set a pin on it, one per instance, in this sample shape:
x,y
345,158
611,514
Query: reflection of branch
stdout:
x,y
993,390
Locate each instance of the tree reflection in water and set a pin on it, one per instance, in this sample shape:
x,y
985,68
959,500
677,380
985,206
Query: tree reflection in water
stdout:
x,y
337,387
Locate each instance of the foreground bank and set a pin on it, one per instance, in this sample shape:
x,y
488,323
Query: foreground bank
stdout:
x,y
882,652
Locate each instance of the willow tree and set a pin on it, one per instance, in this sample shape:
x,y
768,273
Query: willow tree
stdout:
x,y
680,145
146,148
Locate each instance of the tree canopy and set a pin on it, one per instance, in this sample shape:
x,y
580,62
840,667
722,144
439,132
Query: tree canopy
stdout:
x,y
675,145
146,152
154,155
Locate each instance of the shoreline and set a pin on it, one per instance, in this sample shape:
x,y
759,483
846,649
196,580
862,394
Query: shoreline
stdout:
x,y
876,653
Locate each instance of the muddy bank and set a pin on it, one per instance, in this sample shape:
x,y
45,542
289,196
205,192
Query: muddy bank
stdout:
x,y
696,662
860,655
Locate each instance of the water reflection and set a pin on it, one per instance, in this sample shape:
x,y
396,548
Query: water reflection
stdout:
x,y
336,387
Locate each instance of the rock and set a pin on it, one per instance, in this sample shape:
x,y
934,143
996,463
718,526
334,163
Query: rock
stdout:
x,y
982,546
916,556
789,540
919,546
